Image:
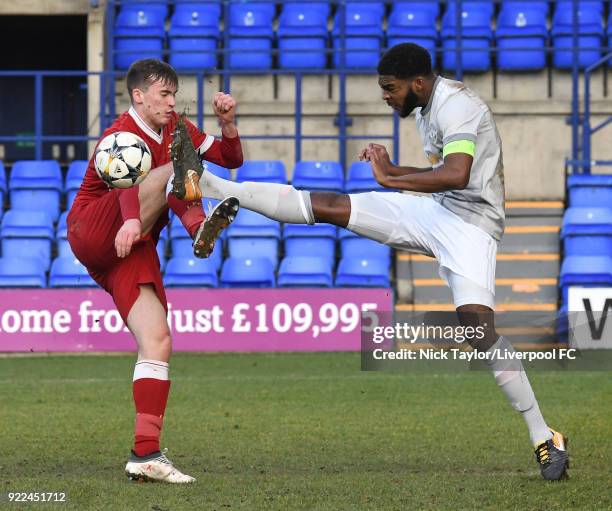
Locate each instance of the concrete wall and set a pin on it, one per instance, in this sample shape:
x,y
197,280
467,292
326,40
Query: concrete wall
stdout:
x,y
44,7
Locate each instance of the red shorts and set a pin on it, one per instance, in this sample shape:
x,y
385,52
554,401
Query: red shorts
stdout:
x,y
92,228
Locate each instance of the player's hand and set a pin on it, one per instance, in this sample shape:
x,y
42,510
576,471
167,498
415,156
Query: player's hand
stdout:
x,y
128,234
224,107
378,156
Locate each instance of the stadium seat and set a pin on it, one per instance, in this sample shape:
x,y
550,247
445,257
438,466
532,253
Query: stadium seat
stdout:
x,y
590,34
521,26
74,178
61,237
361,179
27,234
258,247
541,5
590,190
19,271
585,271
306,231
190,272
413,22
159,5
433,5
139,34
301,271
36,185
269,171
251,224
302,26
162,247
362,272
69,272
352,244
255,272
318,175
587,231
2,185
250,35
311,246
194,28
218,171
363,30
476,37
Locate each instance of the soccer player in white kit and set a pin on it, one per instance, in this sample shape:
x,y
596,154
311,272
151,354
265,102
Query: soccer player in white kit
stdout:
x,y
460,224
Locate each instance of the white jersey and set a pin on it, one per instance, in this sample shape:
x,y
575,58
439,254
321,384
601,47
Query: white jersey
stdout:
x,y
456,114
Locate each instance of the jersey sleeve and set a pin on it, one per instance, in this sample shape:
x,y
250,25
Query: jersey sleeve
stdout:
x,y
201,141
458,120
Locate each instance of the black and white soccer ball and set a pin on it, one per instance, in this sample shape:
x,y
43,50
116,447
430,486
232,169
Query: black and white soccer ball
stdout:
x,y
122,159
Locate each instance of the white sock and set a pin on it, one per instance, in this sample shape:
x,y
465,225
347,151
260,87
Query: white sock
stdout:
x,y
150,369
278,202
511,378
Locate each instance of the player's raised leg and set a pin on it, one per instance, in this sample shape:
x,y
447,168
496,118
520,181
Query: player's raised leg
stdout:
x,y
151,386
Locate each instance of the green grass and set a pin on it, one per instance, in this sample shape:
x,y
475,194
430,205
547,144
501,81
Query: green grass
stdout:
x,y
298,431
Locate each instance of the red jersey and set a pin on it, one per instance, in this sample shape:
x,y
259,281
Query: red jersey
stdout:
x,y
159,143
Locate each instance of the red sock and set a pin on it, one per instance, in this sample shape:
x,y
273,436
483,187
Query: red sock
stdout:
x,y
190,213
150,398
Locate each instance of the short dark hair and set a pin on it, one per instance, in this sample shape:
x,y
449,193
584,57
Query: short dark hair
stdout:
x,y
405,61
143,73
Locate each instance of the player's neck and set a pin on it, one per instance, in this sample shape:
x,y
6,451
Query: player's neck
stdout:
x,y
144,118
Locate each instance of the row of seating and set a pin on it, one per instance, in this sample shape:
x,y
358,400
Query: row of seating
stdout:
x,y
302,36
32,233
251,272
38,184
587,238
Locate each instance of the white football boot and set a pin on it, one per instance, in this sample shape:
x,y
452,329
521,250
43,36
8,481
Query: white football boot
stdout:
x,y
155,467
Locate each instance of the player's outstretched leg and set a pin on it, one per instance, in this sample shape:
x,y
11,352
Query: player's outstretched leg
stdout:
x,y
218,218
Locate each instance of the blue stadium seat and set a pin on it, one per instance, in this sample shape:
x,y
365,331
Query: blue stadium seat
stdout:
x,y
22,271
27,234
352,245
587,231
74,178
476,37
158,5
590,30
590,190
36,185
361,178
304,271
250,28
162,247
362,272
432,6
540,5
255,272
61,237
585,271
413,22
190,272
302,26
251,224
194,28
318,175
521,26
219,171
260,247
312,247
69,272
306,231
363,29
139,34
2,184
269,171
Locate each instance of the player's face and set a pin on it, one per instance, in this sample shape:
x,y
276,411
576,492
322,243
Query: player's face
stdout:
x,y
156,104
398,94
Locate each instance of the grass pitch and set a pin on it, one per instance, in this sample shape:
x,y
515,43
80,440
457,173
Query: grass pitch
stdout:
x,y
298,431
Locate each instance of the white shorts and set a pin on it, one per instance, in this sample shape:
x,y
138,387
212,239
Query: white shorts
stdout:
x,y
419,224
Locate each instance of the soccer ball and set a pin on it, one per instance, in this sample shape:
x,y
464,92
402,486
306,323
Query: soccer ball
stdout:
x,y
122,159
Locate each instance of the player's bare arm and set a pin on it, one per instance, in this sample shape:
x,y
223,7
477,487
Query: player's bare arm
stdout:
x,y
454,174
390,169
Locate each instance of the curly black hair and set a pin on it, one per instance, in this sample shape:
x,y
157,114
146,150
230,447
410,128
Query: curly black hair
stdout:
x,y
404,61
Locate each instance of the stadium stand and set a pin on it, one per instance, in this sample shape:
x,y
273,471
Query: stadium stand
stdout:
x,y
318,175
250,36
414,22
69,272
360,271
27,234
587,231
270,171
586,190
256,272
74,177
361,179
61,237
22,271
191,272
585,271
302,35
305,271
139,33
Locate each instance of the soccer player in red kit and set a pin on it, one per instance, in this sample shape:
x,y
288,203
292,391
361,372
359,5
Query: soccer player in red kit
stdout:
x,y
114,233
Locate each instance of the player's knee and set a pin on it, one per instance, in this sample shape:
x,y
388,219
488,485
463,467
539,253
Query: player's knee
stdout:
x,y
331,207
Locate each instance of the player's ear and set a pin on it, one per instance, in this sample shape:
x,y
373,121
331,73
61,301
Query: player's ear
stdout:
x,y
137,96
